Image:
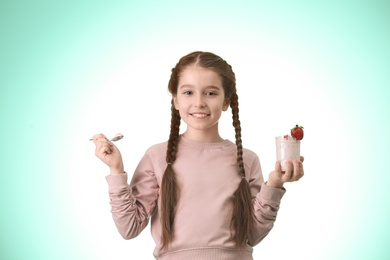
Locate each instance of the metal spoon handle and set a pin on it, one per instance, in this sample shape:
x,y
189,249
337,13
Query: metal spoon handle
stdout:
x,y
117,137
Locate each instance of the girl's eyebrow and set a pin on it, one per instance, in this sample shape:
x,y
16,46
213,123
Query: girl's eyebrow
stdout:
x,y
213,87
208,87
185,86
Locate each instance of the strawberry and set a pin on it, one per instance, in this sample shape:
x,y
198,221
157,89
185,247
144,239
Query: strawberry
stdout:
x,y
297,132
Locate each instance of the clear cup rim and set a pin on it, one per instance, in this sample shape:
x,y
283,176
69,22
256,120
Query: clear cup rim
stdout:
x,y
282,139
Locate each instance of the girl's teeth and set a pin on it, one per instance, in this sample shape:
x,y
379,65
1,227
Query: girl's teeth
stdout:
x,y
199,115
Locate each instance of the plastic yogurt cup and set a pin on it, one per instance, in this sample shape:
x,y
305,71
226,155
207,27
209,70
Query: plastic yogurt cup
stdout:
x,y
287,149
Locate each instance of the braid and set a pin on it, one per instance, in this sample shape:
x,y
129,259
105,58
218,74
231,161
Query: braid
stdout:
x,y
237,128
174,135
242,210
169,186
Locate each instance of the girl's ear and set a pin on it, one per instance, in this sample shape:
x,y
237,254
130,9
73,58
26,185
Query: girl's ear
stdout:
x,y
175,102
226,104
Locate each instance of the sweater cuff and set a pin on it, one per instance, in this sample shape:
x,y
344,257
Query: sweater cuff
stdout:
x,y
117,182
270,193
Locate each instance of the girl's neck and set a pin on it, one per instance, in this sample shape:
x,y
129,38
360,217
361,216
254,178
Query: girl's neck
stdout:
x,y
203,137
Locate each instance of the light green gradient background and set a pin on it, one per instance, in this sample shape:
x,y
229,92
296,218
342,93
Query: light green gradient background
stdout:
x,y
325,64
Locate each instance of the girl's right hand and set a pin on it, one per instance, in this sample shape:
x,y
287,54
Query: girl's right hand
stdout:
x,y
109,154
294,171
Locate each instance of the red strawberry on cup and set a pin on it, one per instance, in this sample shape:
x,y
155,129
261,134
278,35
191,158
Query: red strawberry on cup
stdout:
x,y
297,132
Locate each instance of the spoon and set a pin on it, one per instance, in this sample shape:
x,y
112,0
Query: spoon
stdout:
x,y
117,137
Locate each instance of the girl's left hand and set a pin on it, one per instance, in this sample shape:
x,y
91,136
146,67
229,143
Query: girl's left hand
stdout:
x,y
294,171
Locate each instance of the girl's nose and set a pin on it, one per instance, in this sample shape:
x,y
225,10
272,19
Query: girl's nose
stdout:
x,y
199,101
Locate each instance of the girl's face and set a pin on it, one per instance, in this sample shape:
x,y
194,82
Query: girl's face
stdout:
x,y
200,100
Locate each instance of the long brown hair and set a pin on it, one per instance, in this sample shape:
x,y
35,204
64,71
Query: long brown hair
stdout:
x,y
242,209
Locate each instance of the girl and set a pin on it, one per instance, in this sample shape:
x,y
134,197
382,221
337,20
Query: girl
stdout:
x,y
205,195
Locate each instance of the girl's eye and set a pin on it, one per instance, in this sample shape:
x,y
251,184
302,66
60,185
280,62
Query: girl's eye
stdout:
x,y
211,93
187,93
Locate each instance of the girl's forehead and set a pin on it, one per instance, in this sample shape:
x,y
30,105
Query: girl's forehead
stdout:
x,y
196,72
195,67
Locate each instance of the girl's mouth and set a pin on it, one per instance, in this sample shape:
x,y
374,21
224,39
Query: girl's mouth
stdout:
x,y
199,115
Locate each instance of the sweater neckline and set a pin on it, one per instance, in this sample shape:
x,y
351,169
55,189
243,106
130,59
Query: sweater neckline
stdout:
x,y
200,144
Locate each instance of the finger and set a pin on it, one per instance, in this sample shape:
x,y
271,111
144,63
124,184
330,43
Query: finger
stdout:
x,y
103,149
302,158
297,172
301,171
289,171
100,141
278,167
98,137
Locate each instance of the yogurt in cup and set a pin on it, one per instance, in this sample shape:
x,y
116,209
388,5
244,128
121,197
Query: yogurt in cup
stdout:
x,y
287,149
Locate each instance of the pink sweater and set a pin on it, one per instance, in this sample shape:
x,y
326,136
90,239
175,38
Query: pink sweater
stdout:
x,y
208,177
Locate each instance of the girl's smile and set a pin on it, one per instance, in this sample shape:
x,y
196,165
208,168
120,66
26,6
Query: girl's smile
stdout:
x,y
199,115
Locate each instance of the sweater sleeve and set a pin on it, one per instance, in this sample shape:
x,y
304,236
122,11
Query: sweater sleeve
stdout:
x,y
132,205
266,203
